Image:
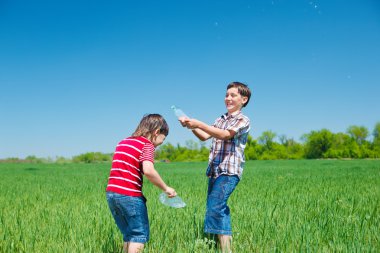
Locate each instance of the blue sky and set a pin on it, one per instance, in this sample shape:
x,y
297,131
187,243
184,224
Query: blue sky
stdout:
x,y
77,76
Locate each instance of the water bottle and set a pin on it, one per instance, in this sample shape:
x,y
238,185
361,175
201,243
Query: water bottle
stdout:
x,y
178,112
175,202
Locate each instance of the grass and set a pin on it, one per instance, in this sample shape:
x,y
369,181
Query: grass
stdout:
x,y
279,206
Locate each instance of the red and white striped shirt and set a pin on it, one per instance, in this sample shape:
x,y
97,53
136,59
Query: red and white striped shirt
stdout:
x,y
126,176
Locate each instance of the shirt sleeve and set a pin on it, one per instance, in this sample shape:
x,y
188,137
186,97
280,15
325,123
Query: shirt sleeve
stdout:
x,y
147,153
215,124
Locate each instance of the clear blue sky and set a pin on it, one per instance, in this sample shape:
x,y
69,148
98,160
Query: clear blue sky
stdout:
x,y
77,76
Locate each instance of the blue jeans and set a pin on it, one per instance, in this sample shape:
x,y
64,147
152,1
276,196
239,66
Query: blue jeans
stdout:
x,y
218,219
130,215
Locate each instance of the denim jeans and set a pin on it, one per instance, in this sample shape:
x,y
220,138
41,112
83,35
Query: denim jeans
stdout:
x,y
218,219
130,215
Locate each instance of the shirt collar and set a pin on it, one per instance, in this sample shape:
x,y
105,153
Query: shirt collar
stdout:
x,y
146,139
226,116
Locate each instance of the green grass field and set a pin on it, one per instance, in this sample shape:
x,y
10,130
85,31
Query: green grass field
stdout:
x,y
279,206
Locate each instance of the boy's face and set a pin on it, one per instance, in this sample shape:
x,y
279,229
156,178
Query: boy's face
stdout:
x,y
233,100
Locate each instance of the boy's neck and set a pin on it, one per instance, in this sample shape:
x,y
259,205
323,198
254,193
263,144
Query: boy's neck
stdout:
x,y
233,113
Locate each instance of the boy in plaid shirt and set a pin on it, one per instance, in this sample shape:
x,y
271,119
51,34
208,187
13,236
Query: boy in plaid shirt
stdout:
x,y
229,135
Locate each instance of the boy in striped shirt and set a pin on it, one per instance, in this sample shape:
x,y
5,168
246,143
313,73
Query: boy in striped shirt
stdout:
x,y
133,158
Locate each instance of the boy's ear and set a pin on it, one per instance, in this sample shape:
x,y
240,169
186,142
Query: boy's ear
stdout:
x,y
157,132
245,99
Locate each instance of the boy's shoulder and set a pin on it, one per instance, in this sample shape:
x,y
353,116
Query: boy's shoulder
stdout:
x,y
135,139
242,115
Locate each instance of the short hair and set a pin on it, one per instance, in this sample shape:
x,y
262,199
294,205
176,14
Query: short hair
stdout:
x,y
242,89
150,123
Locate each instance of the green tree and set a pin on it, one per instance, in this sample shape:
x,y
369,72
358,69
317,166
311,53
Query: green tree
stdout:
x,y
166,152
61,160
192,145
283,139
294,149
376,136
358,133
92,157
317,143
266,139
343,146
252,150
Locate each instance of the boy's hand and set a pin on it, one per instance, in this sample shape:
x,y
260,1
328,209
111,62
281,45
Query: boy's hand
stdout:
x,y
191,123
183,120
170,192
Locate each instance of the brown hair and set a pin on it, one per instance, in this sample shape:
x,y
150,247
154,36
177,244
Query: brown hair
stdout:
x,y
242,89
150,123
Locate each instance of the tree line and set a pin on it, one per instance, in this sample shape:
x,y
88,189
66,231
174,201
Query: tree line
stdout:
x,y
356,143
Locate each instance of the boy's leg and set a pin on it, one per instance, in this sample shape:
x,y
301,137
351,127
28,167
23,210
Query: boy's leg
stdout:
x,y
124,210
225,243
125,247
217,218
135,247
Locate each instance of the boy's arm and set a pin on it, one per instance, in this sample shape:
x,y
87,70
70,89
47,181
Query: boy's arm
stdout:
x,y
204,131
203,136
152,175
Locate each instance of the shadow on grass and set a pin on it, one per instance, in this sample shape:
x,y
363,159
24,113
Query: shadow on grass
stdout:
x,y
31,169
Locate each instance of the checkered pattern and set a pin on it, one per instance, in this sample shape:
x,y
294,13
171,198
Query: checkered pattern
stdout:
x,y
227,156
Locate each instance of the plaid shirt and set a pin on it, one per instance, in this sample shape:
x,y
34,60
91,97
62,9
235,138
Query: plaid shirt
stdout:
x,y
227,156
